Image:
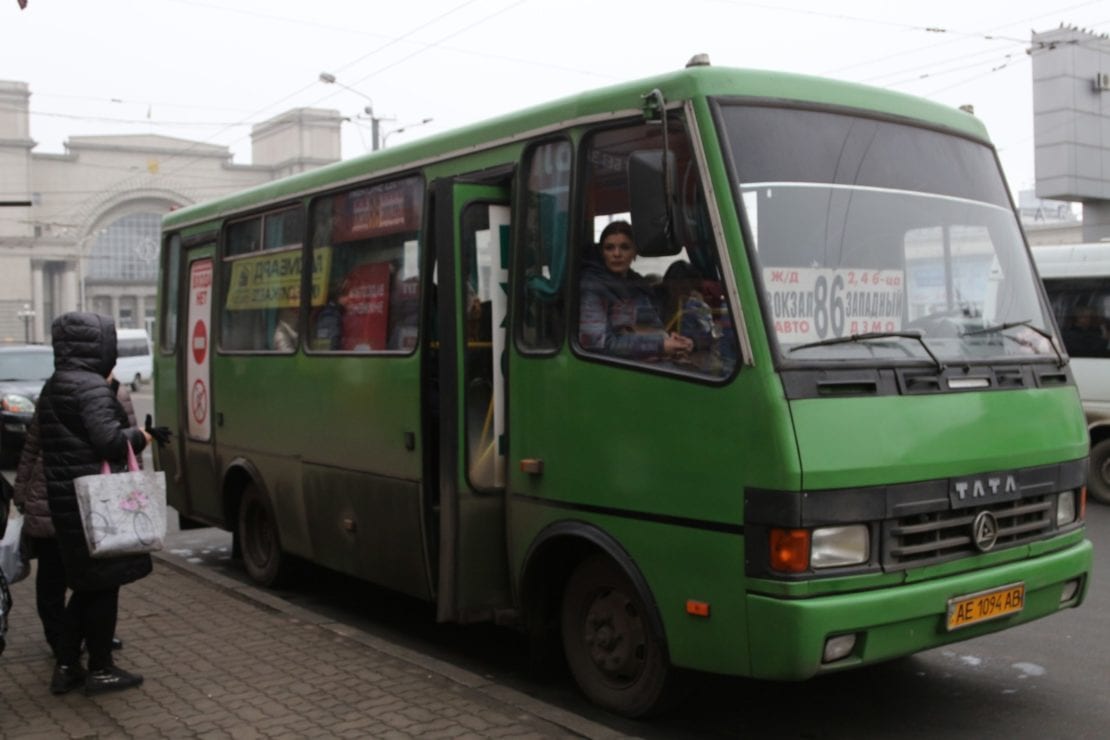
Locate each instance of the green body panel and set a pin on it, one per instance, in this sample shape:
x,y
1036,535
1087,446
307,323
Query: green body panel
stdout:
x,y
350,412
679,563
787,636
874,441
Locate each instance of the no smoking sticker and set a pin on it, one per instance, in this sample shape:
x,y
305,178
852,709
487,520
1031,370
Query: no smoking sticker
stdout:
x,y
199,401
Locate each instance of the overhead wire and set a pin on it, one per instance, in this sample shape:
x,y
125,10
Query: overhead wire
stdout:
x,y
180,165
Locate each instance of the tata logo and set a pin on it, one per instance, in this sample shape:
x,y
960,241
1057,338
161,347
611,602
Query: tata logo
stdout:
x,y
998,486
984,531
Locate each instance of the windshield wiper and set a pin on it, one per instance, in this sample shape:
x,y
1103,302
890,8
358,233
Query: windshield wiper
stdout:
x,y
1028,324
875,335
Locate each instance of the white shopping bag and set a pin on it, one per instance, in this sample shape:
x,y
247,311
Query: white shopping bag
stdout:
x,y
123,513
12,563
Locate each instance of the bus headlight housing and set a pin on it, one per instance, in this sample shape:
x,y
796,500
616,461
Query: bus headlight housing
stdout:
x,y
1066,510
833,547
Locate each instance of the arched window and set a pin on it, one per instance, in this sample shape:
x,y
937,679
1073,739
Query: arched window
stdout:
x,y
127,250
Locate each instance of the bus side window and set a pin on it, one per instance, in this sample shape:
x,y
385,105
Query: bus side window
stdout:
x,y
262,282
544,247
366,268
1082,308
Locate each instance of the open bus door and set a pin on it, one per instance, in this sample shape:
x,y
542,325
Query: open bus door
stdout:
x,y
472,243
200,457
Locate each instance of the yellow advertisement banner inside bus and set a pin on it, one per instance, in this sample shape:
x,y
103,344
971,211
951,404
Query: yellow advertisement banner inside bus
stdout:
x,y
274,280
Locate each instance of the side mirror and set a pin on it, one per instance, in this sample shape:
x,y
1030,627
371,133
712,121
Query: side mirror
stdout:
x,y
651,210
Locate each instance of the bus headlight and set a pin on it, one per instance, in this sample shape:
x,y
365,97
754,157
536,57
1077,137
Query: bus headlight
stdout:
x,y
837,546
17,404
1065,508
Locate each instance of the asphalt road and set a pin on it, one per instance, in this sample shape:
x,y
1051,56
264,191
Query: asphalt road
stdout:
x,y
1036,681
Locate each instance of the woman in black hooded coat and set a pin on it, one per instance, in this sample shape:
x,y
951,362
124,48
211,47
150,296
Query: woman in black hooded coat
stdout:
x,y
82,424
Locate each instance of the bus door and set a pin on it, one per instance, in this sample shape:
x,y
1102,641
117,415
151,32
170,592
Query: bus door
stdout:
x,y
200,462
473,252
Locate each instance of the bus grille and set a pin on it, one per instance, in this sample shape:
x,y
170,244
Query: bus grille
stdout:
x,y
935,536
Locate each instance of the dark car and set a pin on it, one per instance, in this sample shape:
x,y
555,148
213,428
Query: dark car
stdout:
x,y
24,369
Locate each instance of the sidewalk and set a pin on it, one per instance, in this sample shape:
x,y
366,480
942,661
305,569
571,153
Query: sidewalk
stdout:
x,y
226,660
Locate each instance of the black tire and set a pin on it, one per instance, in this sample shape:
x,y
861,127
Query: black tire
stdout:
x,y
1098,478
258,535
611,647
137,382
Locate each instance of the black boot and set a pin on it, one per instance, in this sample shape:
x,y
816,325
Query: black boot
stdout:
x,y
111,678
117,644
66,678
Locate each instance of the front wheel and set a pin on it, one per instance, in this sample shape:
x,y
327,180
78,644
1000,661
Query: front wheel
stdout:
x,y
616,657
1098,479
258,537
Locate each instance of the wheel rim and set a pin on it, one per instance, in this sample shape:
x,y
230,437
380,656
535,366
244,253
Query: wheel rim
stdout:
x,y
615,637
1104,471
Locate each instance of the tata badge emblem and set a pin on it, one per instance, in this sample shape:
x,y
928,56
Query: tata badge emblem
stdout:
x,y
984,531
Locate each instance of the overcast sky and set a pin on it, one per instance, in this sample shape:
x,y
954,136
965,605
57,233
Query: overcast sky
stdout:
x,y
208,69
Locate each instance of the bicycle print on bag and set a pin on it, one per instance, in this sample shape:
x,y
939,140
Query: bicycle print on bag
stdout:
x,y
123,512
130,510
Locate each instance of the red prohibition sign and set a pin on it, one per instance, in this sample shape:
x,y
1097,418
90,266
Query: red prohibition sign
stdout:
x,y
199,401
200,342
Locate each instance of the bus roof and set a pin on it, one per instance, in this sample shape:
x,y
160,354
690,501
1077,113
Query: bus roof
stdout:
x,y
1073,260
621,99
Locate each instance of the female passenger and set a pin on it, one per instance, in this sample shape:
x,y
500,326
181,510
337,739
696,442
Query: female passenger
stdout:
x,y
617,315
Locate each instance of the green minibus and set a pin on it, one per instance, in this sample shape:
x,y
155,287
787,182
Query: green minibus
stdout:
x,y
725,371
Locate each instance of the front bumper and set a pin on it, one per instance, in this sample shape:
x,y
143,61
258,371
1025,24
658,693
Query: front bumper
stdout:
x,y
787,636
14,426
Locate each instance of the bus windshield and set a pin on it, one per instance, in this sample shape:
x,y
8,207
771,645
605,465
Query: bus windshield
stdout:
x,y
881,242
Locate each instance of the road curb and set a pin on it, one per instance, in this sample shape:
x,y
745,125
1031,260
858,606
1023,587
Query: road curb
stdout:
x,y
569,721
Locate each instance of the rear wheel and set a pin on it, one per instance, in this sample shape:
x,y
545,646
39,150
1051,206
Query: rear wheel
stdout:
x,y
1098,480
258,537
612,649
136,382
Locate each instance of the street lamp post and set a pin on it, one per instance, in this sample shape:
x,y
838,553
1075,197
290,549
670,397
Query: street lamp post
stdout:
x,y
26,314
375,122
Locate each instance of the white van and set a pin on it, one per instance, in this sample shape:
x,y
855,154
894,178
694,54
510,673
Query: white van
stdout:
x,y
1077,280
134,364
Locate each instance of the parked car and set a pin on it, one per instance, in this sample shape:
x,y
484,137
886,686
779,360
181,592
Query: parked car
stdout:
x,y
134,363
24,369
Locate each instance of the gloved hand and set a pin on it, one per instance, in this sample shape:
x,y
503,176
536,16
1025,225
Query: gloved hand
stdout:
x,y
160,434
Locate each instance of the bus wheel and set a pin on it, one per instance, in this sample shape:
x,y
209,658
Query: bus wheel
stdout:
x,y
1098,483
258,537
617,659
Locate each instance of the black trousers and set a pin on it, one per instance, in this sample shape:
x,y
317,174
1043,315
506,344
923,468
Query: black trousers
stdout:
x,y
50,590
90,616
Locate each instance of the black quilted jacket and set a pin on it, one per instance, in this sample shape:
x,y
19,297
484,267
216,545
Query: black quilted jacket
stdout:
x,y
81,424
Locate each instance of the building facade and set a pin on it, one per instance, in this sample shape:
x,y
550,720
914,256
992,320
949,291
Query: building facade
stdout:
x,y
80,230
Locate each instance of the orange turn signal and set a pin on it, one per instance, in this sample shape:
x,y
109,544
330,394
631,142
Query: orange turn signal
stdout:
x,y
790,550
697,608
1083,503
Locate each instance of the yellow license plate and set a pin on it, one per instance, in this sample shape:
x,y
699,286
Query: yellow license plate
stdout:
x,y
964,611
